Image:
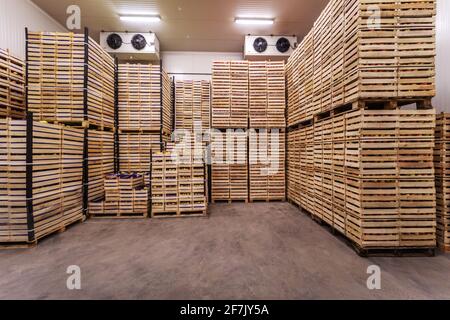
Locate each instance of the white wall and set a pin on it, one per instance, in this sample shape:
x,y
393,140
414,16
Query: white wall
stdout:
x,y
182,65
442,100
15,15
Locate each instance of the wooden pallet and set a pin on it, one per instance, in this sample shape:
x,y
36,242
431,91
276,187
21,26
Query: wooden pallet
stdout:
x,y
192,105
56,79
57,171
12,86
180,214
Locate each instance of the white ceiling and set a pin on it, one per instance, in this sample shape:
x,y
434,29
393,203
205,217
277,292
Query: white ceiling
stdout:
x,y
193,25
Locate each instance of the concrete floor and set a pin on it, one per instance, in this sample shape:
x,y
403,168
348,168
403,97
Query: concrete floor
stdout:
x,y
256,251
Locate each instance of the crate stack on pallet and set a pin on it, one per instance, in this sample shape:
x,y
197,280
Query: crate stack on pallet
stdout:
x,y
192,105
442,167
125,197
356,161
12,86
369,175
361,50
71,81
145,115
229,107
229,117
267,108
40,180
229,158
300,167
178,188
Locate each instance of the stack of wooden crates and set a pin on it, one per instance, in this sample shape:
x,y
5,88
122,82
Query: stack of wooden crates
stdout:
x,y
71,81
145,114
178,188
356,161
363,49
230,116
144,120
12,86
125,196
192,105
249,121
41,167
267,135
442,167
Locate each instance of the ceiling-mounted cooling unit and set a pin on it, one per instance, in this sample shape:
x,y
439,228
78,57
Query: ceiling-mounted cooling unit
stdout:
x,y
269,47
131,46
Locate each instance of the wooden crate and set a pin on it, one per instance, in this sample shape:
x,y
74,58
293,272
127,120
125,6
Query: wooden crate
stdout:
x,y
12,86
230,94
56,169
192,105
178,188
100,161
267,165
56,79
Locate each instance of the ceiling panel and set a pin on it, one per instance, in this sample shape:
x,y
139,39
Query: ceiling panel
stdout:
x,y
193,25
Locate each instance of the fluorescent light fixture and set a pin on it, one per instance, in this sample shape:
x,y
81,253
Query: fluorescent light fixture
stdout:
x,y
254,21
141,18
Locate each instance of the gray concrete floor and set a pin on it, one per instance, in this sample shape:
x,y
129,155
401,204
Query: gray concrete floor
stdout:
x,y
255,251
